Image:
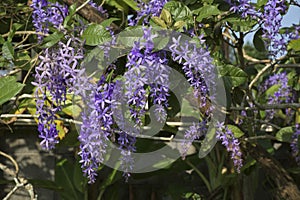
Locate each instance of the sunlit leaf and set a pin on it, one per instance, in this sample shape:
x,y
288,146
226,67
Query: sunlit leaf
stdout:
x,y
236,131
236,75
52,39
95,34
9,87
206,11
8,51
285,134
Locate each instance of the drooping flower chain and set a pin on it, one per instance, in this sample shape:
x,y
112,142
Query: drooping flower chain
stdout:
x,y
295,144
46,14
55,76
198,68
271,18
284,94
146,67
96,127
231,144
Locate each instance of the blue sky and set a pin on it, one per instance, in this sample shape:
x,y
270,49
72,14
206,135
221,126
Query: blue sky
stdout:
x,y
293,16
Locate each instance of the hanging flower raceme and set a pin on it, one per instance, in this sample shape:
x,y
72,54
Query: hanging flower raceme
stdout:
x,y
194,132
231,144
55,76
146,67
198,68
295,144
284,93
270,17
244,7
96,128
46,14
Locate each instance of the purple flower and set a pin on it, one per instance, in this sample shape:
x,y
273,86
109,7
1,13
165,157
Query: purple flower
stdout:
x,y
100,9
126,145
146,67
198,68
192,133
55,76
231,143
151,8
294,35
96,127
244,7
46,14
270,18
282,95
294,144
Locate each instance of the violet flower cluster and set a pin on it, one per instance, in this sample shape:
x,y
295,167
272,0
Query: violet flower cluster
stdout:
x,y
198,68
194,132
284,93
295,144
96,128
55,76
231,144
148,9
270,18
146,67
46,14
244,7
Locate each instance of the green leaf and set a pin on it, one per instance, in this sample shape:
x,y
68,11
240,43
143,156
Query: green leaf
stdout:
x,y
95,34
159,21
261,2
206,11
294,45
236,131
132,4
17,26
78,178
258,41
72,107
295,170
119,4
108,21
8,51
189,108
163,164
131,35
9,87
1,39
166,16
179,11
240,25
63,178
72,11
270,91
52,39
208,143
179,24
236,75
285,134
47,184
